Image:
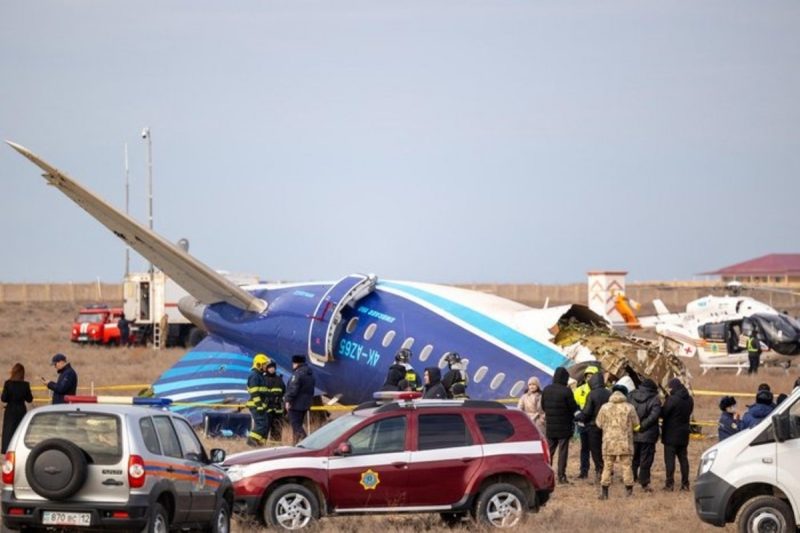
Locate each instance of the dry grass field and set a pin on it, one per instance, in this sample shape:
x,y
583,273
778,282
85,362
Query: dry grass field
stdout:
x,y
31,334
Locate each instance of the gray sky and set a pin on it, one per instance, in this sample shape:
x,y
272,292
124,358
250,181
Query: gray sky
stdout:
x,y
446,141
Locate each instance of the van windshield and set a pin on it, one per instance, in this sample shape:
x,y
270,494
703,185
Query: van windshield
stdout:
x,y
97,434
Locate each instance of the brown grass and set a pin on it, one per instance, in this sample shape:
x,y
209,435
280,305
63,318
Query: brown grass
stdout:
x,y
31,334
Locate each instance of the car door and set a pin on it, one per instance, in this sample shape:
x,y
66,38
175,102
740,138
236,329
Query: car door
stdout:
x,y
788,458
173,467
203,493
375,472
445,459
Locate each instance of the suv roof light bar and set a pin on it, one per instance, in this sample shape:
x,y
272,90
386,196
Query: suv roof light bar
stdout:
x,y
119,400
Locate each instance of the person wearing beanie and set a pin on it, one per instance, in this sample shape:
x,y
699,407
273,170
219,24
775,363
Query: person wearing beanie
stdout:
x,y
531,404
647,404
759,410
729,423
299,396
676,415
275,388
559,407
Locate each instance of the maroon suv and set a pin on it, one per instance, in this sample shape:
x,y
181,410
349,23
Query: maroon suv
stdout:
x,y
453,457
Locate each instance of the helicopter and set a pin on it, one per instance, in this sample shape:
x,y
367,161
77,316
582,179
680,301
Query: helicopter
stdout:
x,y
716,329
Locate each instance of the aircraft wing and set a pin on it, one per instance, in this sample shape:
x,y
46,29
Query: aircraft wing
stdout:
x,y
194,276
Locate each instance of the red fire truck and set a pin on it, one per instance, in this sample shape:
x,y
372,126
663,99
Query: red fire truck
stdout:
x,y
97,324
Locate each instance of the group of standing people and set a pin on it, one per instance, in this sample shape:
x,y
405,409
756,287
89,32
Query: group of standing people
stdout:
x,y
401,376
17,393
731,422
616,426
271,399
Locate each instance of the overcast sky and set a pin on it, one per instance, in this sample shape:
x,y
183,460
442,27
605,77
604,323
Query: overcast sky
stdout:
x,y
448,141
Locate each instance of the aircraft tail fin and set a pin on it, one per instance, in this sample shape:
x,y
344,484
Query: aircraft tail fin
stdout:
x,y
661,309
197,278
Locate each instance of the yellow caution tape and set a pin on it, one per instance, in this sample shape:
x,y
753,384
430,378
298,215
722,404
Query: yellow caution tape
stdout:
x,y
718,393
106,387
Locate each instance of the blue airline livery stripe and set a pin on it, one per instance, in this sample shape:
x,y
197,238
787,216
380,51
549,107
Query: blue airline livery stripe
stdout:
x,y
212,368
209,356
189,384
498,330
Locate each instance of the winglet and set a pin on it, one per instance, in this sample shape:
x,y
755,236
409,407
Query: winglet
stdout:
x,y
196,277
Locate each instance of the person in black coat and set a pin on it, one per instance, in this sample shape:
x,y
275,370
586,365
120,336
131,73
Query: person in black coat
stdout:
x,y
676,414
648,408
299,396
67,382
276,389
560,408
598,396
16,392
433,388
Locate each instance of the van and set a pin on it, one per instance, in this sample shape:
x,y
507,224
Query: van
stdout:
x,y
753,477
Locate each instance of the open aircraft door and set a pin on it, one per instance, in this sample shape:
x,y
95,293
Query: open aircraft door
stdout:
x,y
327,320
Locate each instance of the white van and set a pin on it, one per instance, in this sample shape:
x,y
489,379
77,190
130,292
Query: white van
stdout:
x,y
753,477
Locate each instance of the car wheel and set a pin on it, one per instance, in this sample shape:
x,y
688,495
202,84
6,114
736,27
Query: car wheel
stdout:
x,y
291,507
765,514
501,505
221,522
158,521
56,469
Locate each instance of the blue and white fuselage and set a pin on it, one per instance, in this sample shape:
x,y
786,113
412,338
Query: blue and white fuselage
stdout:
x,y
499,351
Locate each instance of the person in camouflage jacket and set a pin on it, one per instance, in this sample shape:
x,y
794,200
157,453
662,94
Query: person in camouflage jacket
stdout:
x,y
618,420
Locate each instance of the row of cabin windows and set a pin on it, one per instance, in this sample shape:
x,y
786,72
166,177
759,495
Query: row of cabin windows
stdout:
x,y
480,374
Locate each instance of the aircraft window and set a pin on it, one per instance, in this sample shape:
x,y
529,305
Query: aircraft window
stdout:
x,y
370,331
464,364
442,362
480,374
517,388
408,343
388,338
426,352
497,381
352,325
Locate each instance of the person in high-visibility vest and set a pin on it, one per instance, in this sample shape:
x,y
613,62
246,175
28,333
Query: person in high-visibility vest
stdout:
x,y
753,353
257,389
276,388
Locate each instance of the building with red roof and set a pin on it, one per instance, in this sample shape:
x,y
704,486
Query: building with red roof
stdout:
x,y
772,268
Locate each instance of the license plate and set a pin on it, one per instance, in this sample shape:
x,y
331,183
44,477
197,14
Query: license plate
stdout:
x,y
57,518
83,337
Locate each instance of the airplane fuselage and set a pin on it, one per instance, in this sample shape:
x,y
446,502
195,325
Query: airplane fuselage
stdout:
x,y
429,319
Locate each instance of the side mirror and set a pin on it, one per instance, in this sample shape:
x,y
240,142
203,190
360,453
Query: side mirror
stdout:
x,y
343,449
780,426
217,455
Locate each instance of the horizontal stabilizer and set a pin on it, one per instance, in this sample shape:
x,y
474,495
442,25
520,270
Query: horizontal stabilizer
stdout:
x,y
195,277
661,309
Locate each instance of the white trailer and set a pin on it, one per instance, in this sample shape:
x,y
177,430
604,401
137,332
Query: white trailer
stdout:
x,y
151,302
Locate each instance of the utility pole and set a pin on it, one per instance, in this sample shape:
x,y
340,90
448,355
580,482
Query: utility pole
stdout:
x,y
146,135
